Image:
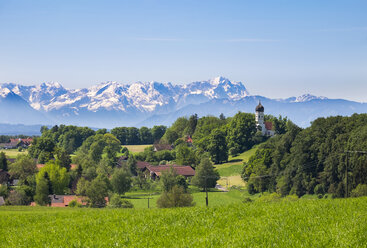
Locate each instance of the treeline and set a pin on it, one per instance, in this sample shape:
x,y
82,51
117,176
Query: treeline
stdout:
x,y
218,136
139,136
64,139
313,160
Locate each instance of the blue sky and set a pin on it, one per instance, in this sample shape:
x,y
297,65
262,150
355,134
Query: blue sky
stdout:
x,y
276,48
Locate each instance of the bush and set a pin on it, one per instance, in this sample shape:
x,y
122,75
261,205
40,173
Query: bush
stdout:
x,y
4,191
176,197
360,190
75,204
247,199
251,188
17,197
319,189
117,202
266,197
291,198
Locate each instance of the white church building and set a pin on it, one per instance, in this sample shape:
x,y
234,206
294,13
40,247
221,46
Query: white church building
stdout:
x,y
266,127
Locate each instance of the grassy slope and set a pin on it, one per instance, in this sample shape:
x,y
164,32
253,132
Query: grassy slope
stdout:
x,y
235,164
230,171
304,223
12,153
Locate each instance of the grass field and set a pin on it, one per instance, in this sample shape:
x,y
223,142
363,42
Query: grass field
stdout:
x,y
216,198
235,164
303,223
229,181
136,148
12,153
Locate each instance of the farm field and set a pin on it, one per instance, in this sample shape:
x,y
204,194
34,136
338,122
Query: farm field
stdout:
x,y
12,153
303,223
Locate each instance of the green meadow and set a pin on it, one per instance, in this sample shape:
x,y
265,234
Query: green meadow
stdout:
x,y
302,223
216,198
13,153
234,165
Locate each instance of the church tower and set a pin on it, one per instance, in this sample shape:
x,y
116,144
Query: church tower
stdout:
x,y
259,117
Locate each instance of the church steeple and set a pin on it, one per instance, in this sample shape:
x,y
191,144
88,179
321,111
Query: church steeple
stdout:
x,y
259,117
260,107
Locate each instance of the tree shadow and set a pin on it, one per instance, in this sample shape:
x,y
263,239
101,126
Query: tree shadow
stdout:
x,y
235,160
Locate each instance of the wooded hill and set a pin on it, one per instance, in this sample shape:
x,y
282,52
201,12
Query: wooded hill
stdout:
x,y
313,160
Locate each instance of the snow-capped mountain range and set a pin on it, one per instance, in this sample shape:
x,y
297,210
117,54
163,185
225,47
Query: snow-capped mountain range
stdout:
x,y
113,104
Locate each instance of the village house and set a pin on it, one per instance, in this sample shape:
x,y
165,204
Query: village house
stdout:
x,y
142,165
15,143
154,172
64,200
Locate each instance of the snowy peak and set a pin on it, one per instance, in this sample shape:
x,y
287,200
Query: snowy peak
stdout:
x,y
4,92
218,87
308,97
138,96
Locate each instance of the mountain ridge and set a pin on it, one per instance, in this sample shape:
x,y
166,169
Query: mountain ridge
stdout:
x,y
110,104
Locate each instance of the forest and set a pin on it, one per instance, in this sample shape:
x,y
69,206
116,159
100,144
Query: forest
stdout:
x,y
327,157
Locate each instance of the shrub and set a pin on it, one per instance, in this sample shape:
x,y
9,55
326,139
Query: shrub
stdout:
x,y
291,198
251,188
117,202
360,190
75,204
266,197
319,189
176,197
17,197
4,191
247,199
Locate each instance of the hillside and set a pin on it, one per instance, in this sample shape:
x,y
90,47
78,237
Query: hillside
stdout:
x,y
303,223
230,172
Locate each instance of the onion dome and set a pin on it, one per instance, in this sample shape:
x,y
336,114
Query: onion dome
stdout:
x,y
259,108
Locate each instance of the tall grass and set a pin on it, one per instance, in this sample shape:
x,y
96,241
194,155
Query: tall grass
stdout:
x,y
303,223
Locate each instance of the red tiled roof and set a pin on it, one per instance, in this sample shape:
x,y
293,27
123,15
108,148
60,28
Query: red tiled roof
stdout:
x,y
268,125
180,170
142,164
26,141
39,166
69,198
